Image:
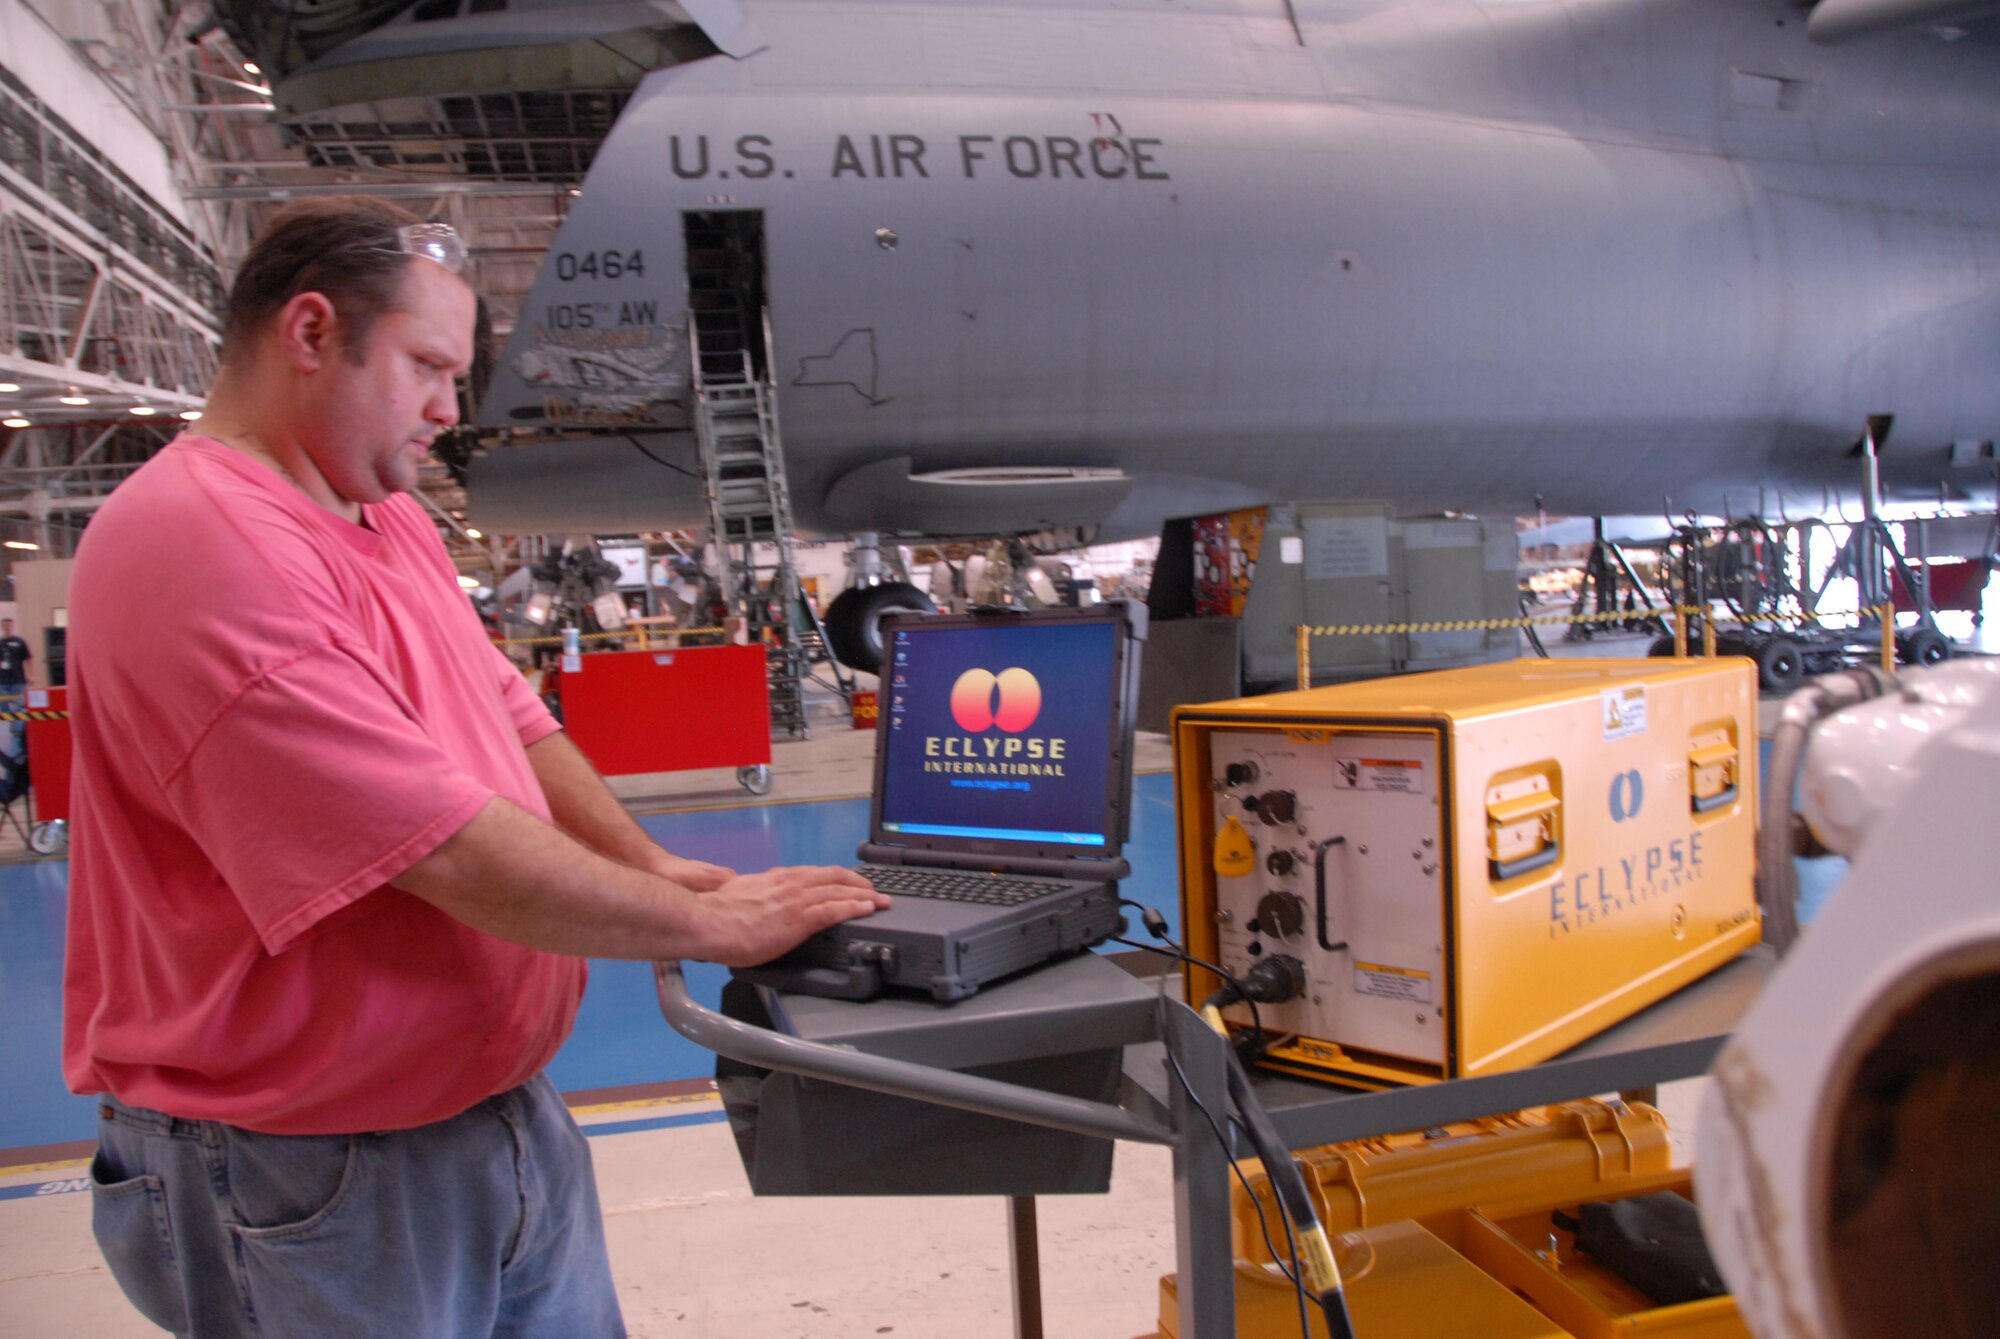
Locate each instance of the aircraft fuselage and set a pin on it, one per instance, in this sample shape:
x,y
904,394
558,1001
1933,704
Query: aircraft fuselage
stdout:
x,y
1449,254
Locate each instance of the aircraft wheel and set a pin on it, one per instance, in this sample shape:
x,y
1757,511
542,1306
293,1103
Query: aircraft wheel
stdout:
x,y
854,621
1781,666
756,780
48,838
1662,646
1922,646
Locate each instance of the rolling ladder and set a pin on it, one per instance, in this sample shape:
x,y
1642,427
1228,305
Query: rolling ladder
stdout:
x,y
743,485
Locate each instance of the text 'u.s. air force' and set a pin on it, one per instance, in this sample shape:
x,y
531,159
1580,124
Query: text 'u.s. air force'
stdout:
x,y
906,157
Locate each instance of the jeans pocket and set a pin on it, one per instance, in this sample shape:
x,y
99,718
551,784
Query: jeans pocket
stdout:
x,y
316,1264
285,1187
129,1219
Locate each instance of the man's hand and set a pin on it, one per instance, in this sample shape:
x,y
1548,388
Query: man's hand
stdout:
x,y
513,875
752,918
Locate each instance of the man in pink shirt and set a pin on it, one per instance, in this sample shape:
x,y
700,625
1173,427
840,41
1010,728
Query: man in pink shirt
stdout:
x,y
336,869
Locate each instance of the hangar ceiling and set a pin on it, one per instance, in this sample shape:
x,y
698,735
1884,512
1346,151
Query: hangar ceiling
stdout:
x,y
482,113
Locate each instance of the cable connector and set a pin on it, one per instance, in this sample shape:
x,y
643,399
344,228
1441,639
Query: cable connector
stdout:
x,y
1275,979
1272,981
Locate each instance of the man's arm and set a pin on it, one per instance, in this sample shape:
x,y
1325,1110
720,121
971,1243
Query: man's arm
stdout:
x,y
584,807
510,874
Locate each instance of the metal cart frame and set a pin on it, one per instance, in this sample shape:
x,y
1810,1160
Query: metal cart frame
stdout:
x,y
1674,1039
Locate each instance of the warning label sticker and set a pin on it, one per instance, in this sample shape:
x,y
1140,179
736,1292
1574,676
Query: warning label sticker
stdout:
x,y
1393,983
1624,711
1404,776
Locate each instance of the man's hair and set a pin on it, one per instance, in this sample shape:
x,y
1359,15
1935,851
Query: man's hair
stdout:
x,y
342,246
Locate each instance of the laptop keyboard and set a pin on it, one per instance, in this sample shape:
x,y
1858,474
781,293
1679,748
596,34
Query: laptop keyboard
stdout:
x,y
952,885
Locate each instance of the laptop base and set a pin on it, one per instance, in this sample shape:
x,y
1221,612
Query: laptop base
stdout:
x,y
854,961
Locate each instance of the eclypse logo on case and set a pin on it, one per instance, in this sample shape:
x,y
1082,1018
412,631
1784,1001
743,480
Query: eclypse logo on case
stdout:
x,y
982,700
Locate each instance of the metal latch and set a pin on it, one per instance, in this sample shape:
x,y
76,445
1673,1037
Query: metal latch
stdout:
x,y
1712,769
1523,825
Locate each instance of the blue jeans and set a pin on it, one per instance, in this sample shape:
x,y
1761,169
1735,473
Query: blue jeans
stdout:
x,y
486,1224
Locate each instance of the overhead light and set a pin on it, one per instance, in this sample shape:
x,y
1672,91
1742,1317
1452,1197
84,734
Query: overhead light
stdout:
x,y
17,422
20,544
142,410
470,583
252,67
75,397
473,532
190,414
8,387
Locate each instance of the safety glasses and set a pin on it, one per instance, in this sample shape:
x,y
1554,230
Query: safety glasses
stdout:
x,y
434,241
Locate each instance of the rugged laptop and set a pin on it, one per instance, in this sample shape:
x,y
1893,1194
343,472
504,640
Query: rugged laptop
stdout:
x,y
1003,787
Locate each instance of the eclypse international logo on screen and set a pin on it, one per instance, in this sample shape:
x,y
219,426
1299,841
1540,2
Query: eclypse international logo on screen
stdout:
x,y
983,702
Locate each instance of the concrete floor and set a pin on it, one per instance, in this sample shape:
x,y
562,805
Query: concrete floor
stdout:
x,y
696,1255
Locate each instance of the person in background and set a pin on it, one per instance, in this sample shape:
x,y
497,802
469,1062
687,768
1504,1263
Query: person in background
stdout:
x,y
14,658
335,869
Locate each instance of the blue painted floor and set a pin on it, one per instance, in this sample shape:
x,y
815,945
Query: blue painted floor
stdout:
x,y
620,1038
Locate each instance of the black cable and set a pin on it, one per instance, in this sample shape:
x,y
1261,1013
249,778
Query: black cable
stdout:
x,y
1229,1150
1156,924
1288,1185
1294,1275
1173,950
640,447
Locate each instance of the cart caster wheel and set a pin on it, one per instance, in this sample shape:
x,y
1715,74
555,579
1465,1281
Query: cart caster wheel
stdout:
x,y
1781,666
1922,646
756,780
50,837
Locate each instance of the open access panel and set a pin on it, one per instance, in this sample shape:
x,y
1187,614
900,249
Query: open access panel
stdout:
x,y
1470,871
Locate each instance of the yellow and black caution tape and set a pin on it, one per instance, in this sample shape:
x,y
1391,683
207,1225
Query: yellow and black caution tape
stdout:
x,y
34,715
1477,624
1531,620
654,634
1885,614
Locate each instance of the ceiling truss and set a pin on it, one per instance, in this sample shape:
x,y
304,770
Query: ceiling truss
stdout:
x,y
113,302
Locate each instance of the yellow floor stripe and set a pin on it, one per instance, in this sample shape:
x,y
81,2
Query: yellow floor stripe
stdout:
x,y
596,1109
65,1165
749,802
636,1104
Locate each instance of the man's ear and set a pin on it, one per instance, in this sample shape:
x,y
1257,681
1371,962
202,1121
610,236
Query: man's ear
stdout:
x,y
308,331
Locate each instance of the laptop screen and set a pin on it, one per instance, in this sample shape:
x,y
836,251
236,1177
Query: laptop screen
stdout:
x,y
1004,733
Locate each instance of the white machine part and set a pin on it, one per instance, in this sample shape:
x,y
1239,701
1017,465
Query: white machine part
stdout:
x,y
1377,988
1859,764
1848,1164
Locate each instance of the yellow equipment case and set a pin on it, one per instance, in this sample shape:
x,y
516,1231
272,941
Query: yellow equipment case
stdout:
x,y
1456,1233
1469,871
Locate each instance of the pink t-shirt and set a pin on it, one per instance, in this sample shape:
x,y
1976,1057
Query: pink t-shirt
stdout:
x,y
276,712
